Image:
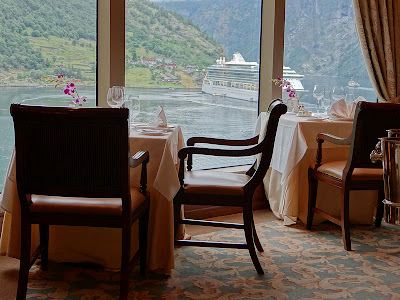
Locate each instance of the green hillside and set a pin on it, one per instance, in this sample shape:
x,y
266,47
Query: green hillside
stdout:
x,y
41,37
320,38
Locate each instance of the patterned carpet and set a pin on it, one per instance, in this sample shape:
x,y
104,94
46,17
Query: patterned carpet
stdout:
x,y
298,264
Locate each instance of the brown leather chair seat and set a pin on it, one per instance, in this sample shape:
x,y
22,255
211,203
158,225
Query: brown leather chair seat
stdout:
x,y
371,121
224,189
96,183
215,182
335,169
84,206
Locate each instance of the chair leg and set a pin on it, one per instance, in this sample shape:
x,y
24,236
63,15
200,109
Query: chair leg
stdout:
x,y
248,232
379,208
255,236
143,229
126,250
44,242
345,219
24,259
312,198
177,216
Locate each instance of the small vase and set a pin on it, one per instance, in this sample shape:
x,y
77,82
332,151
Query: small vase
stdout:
x,y
293,104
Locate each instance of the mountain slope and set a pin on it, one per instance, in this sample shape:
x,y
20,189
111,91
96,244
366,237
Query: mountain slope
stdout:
x,y
320,36
40,37
233,23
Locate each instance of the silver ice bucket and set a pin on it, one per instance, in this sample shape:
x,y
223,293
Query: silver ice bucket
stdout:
x,y
389,154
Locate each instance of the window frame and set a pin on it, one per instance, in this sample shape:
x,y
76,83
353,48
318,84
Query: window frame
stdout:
x,y
111,48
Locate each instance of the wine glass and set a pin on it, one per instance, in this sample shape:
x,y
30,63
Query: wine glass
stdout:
x,y
326,101
350,98
318,93
133,103
116,96
338,93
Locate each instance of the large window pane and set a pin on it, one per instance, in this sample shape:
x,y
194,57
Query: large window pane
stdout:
x,y
39,38
170,46
321,44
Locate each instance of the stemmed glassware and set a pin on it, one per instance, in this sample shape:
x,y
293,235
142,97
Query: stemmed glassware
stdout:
x,y
338,93
318,93
350,98
133,104
116,96
326,102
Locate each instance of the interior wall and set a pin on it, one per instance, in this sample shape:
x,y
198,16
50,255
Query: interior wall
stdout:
x,y
272,50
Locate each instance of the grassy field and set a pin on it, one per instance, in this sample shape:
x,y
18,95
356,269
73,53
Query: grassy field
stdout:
x,y
138,77
81,54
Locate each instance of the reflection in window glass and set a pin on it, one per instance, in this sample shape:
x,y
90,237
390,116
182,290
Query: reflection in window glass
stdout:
x,y
321,48
199,60
39,38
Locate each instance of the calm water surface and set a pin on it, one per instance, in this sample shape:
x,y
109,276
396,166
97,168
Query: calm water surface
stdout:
x,y
198,114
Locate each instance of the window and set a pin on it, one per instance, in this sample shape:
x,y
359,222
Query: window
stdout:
x,y
200,61
321,45
40,38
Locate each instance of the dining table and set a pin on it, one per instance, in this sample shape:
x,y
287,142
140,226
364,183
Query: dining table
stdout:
x,y
295,149
102,246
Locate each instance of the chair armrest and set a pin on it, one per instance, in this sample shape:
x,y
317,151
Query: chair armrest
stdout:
x,y
206,140
189,151
321,137
334,139
141,158
184,152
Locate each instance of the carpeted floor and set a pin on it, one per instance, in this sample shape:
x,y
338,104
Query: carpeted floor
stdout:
x,y
298,264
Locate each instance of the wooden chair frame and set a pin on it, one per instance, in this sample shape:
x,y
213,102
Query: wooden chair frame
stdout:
x,y
256,173
370,122
90,121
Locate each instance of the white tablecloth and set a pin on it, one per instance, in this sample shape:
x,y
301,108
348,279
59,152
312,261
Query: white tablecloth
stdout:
x,y
103,245
286,183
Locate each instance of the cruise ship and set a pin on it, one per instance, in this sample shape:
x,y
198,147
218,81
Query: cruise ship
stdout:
x,y
240,79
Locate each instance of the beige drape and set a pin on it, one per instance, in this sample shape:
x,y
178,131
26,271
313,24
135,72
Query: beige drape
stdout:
x,y
378,30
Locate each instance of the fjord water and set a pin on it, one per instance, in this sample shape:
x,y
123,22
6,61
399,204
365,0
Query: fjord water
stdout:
x,y
198,114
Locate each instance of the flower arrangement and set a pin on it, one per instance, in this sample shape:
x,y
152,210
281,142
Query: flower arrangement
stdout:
x,y
67,85
286,85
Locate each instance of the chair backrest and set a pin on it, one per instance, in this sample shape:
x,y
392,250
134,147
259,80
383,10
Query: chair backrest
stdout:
x,y
267,138
371,121
71,152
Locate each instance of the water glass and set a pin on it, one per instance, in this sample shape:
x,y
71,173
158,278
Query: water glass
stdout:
x,y
326,101
318,93
116,96
338,93
133,104
350,98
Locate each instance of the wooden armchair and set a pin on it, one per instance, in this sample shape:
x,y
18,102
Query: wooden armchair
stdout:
x,y
73,169
357,173
211,187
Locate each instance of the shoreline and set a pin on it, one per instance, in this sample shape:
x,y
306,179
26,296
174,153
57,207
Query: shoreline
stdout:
x,y
34,85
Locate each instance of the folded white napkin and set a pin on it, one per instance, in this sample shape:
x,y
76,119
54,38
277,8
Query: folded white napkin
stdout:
x,y
344,110
161,119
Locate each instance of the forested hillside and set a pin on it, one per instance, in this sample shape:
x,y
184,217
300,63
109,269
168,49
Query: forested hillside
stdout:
x,y
40,37
233,23
319,36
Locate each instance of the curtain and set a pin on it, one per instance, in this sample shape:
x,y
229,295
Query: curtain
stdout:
x,y
378,30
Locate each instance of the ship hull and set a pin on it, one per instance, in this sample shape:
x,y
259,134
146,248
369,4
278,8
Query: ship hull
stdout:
x,y
230,92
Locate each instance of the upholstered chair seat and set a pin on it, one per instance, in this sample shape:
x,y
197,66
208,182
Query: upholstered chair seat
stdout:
x,y
215,183
58,187
371,121
84,205
217,188
335,169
